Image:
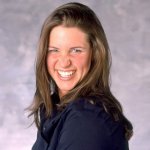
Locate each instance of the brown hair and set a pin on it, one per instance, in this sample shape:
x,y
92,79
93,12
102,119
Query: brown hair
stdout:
x,y
96,82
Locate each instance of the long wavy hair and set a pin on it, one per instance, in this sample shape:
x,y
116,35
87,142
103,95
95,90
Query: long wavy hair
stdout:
x,y
95,83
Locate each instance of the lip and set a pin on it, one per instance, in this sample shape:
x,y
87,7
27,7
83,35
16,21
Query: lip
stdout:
x,y
65,74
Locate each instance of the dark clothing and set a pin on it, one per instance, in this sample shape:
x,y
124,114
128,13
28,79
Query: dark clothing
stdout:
x,y
81,126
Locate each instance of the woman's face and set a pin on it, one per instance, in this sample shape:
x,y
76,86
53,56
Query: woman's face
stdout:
x,y
69,57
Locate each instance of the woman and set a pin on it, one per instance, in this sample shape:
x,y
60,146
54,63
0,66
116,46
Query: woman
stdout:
x,y
73,106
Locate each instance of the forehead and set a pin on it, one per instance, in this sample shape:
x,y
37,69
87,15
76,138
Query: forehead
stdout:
x,y
71,29
68,35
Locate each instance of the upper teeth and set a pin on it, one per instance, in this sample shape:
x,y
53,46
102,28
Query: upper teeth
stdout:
x,y
65,73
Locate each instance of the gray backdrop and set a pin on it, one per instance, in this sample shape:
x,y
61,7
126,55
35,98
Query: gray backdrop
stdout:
x,y
127,26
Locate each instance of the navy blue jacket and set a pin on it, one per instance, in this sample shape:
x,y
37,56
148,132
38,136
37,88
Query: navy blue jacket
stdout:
x,y
81,126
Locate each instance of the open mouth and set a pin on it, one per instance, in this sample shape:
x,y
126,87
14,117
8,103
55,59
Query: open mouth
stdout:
x,y
65,74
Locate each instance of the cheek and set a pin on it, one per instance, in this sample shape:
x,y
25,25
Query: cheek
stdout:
x,y
84,63
50,64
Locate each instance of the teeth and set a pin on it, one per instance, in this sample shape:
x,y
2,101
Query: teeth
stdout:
x,y
65,73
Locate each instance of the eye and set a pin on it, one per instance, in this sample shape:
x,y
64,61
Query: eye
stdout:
x,y
76,50
53,50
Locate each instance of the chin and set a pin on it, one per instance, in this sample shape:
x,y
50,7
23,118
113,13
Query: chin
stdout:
x,y
65,89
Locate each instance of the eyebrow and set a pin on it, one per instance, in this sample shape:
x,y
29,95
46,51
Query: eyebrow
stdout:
x,y
78,47
52,47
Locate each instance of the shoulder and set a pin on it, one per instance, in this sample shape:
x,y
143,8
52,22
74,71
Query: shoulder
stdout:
x,y
90,123
87,112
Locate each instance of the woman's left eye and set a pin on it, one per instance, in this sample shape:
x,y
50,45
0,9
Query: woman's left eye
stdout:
x,y
76,50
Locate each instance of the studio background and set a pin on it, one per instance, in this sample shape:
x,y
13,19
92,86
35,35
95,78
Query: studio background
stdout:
x,y
127,26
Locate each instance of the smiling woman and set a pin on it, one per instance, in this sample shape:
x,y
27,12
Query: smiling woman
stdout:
x,y
69,57
73,106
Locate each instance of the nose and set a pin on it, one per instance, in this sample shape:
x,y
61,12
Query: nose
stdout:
x,y
64,61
